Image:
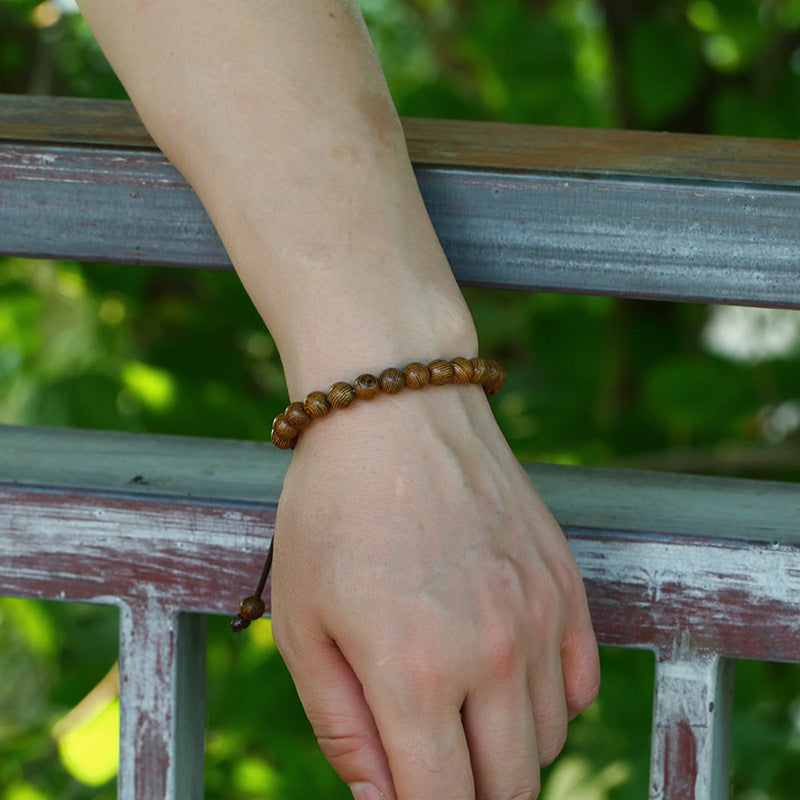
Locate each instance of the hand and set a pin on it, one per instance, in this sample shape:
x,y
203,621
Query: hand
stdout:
x,y
427,603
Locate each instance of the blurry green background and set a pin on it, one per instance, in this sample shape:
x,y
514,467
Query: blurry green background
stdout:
x,y
592,380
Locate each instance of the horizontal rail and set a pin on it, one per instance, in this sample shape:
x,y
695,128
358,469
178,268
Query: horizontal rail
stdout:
x,y
662,555
688,567
615,221
458,143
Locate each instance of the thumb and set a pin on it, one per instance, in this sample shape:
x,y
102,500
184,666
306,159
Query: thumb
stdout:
x,y
334,702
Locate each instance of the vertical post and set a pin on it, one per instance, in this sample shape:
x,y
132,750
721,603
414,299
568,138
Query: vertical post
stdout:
x,y
162,703
690,753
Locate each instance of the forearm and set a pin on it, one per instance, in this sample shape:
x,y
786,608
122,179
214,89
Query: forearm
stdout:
x,y
279,116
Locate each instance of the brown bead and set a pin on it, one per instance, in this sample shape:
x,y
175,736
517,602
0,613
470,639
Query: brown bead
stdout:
x,y
316,405
297,416
252,608
462,370
495,378
417,375
283,442
341,394
366,387
239,623
282,428
478,370
441,372
392,380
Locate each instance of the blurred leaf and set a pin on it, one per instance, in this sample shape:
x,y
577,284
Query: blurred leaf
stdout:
x,y
90,749
663,68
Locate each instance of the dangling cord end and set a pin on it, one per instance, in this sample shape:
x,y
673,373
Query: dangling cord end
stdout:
x,y
252,607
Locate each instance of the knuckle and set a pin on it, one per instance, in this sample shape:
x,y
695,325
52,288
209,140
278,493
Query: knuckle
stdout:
x,y
339,737
501,651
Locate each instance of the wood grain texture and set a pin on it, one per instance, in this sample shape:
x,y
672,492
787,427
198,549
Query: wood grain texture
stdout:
x,y
458,143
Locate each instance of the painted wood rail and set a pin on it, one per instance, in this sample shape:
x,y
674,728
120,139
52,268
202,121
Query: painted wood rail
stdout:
x,y
600,212
701,571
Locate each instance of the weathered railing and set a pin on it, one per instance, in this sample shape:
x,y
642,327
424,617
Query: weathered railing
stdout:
x,y
702,571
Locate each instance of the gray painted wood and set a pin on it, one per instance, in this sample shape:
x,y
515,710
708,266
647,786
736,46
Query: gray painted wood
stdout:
x,y
74,526
162,702
644,236
690,750
217,469
189,729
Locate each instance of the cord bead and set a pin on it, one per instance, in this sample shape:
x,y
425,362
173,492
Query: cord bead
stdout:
x,y
462,370
392,380
341,394
478,370
441,372
252,608
297,416
495,378
289,424
282,428
282,442
366,387
316,405
417,375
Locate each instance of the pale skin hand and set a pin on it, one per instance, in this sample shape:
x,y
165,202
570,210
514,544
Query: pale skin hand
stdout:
x,y
427,578
424,599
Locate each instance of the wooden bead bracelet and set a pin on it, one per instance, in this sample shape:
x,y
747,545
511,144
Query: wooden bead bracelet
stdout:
x,y
287,426
299,415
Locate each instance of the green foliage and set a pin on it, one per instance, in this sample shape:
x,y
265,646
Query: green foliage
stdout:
x,y
592,381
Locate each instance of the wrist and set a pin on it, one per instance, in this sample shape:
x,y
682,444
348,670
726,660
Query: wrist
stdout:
x,y
353,333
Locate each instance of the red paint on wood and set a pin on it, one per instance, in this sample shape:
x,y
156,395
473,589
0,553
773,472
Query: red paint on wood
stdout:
x,y
680,762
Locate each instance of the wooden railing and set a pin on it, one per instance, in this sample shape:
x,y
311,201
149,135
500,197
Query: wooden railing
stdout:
x,y
702,571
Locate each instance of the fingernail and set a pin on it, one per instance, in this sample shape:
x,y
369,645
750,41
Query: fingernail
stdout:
x,y
365,791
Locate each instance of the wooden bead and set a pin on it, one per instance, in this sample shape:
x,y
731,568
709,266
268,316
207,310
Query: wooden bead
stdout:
x,y
441,372
417,375
341,394
392,380
282,428
316,405
252,608
297,416
283,442
462,370
366,387
478,370
495,379
239,623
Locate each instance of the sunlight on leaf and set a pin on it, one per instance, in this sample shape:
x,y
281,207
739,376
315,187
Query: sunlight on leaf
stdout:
x,y
151,386
572,777
23,791
32,624
261,635
703,16
257,778
90,750
722,52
